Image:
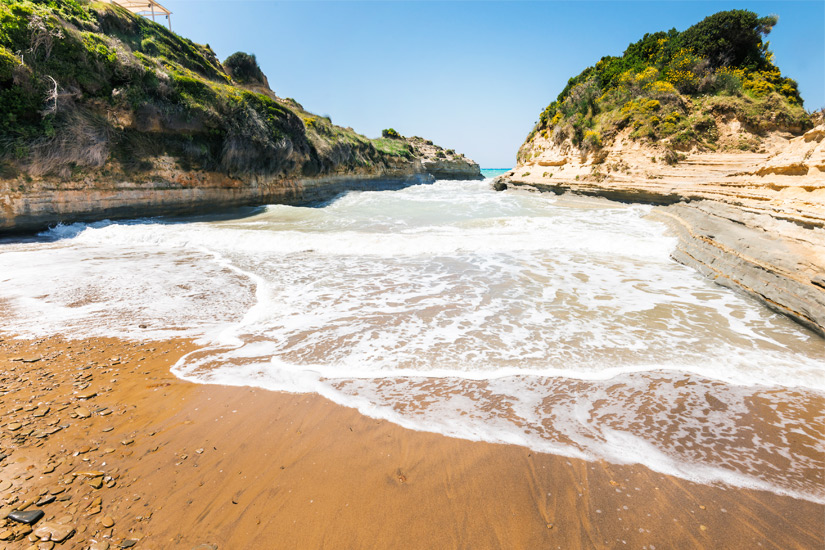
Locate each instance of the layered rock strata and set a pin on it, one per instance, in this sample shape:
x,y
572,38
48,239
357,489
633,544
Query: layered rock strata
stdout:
x,y
171,191
49,204
139,121
752,221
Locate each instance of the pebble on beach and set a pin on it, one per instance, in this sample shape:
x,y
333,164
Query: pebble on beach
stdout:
x,y
54,531
28,517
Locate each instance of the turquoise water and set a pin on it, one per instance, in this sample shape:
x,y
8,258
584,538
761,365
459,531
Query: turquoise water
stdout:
x,y
493,172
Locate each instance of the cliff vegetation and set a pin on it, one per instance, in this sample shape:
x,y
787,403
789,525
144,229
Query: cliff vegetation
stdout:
x,y
673,87
90,91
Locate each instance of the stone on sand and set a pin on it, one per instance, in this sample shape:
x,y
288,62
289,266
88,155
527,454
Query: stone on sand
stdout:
x,y
28,517
53,531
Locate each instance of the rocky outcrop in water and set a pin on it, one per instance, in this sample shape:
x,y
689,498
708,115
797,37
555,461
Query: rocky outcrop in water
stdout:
x,y
769,258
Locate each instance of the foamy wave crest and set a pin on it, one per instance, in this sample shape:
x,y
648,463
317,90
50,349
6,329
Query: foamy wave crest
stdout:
x,y
507,317
674,423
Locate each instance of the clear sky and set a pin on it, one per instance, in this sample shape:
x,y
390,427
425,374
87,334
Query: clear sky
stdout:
x,y
472,76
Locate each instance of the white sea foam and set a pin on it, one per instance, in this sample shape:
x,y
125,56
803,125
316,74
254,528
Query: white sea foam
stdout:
x,y
506,317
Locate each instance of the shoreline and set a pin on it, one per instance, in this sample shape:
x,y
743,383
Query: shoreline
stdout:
x,y
751,221
239,467
38,210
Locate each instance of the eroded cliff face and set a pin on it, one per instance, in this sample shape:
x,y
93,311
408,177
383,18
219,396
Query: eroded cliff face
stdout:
x,y
32,204
149,162
120,117
46,203
751,220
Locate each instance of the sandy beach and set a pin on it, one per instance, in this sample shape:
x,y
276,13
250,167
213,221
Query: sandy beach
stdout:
x,y
115,450
230,321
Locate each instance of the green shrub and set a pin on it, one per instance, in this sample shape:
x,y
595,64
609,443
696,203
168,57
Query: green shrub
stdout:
x,y
390,133
723,55
730,39
728,81
149,47
592,140
243,68
8,62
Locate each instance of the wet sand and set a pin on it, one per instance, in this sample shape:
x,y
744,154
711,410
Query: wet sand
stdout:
x,y
179,465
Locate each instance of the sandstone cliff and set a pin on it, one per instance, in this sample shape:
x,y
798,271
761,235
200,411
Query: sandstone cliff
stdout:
x,y
106,115
753,221
702,123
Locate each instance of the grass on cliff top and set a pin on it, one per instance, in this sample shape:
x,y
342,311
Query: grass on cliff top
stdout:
x,y
394,147
81,51
668,85
71,69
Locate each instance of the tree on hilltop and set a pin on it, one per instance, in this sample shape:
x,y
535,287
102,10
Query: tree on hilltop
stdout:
x,y
731,39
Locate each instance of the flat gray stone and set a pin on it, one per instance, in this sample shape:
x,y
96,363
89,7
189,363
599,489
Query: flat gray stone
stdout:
x,y
29,517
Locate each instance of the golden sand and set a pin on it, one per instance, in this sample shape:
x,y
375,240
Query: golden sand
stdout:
x,y
178,465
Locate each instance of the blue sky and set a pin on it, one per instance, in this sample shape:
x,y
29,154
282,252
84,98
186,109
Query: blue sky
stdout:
x,y
472,76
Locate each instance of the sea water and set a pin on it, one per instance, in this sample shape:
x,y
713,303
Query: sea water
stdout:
x,y
494,172
557,324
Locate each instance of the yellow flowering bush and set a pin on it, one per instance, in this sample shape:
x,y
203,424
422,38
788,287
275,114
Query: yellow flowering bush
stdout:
x,y
627,78
680,73
628,107
683,60
647,76
651,105
592,139
759,87
766,81
762,82
673,117
789,91
660,88
310,121
737,73
681,79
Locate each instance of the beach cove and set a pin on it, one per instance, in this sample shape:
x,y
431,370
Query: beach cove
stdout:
x,y
537,449
233,319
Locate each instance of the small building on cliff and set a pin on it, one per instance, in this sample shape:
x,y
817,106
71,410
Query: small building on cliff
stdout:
x,y
147,8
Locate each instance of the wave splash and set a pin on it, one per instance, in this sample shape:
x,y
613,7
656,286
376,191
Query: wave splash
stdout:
x,y
559,325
